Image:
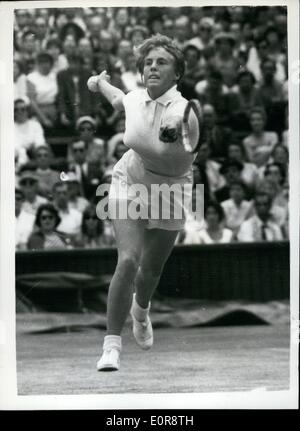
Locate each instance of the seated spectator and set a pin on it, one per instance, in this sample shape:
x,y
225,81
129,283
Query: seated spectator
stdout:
x,y
46,176
194,217
256,55
259,144
24,221
275,51
280,155
60,61
224,59
28,133
76,201
214,231
131,78
194,72
272,96
244,98
86,128
138,34
260,227
92,233
86,53
209,170
216,136
237,209
74,98
275,173
231,170
28,182
22,88
212,91
28,51
70,218
95,25
182,31
124,49
42,32
116,148
43,80
250,172
204,39
46,236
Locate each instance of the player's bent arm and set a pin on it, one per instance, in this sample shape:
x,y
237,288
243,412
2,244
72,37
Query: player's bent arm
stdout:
x,y
113,94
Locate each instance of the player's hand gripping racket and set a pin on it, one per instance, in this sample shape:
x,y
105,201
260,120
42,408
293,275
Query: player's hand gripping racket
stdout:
x,y
171,135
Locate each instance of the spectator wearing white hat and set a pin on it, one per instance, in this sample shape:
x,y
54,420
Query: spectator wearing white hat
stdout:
x,y
86,129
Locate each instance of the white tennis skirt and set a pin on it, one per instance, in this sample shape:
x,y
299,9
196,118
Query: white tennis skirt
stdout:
x,y
137,193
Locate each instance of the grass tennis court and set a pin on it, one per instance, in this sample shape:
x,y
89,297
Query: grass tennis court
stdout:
x,y
213,359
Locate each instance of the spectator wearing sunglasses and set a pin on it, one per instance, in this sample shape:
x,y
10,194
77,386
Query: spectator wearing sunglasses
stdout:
x,y
86,129
93,233
28,182
46,236
204,39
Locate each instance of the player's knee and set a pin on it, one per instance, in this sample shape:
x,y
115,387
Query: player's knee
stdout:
x,y
151,270
128,262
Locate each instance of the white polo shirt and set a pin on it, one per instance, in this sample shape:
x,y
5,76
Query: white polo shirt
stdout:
x,y
144,117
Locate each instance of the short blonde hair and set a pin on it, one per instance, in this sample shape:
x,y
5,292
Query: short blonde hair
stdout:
x,y
164,42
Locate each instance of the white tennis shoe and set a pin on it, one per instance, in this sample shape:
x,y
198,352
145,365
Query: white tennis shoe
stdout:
x,y
142,331
110,360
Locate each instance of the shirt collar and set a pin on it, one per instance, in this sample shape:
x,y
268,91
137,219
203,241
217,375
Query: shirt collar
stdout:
x,y
165,98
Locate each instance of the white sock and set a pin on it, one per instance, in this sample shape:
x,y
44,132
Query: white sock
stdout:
x,y
139,313
112,342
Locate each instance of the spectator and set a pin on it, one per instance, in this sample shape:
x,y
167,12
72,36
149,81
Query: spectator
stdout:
x,y
70,218
204,39
276,174
44,83
28,51
92,233
116,148
74,98
231,170
214,231
194,72
259,144
46,176
76,201
28,182
260,226
28,133
212,91
244,98
280,155
209,170
42,32
86,128
88,173
124,49
250,172
224,59
95,25
216,136
138,34
60,62
24,221
237,209
46,236
85,51
22,87
131,78
181,31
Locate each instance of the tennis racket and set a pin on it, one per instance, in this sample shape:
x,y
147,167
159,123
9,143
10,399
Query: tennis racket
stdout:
x,y
192,105
167,136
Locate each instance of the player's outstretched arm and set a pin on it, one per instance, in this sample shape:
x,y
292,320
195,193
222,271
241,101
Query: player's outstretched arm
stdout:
x,y
100,83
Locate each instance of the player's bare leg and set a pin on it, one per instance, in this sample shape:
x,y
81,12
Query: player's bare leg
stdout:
x,y
157,247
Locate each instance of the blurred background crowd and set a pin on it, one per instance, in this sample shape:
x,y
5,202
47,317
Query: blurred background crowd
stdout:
x,y
236,66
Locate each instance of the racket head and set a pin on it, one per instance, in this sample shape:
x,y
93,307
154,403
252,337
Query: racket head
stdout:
x,y
193,105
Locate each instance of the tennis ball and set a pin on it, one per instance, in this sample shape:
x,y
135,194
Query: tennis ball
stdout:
x,y
93,84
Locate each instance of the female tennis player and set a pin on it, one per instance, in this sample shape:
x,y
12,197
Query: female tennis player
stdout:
x,y
156,156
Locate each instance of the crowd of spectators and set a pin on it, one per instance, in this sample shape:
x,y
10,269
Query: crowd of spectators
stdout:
x,y
68,139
